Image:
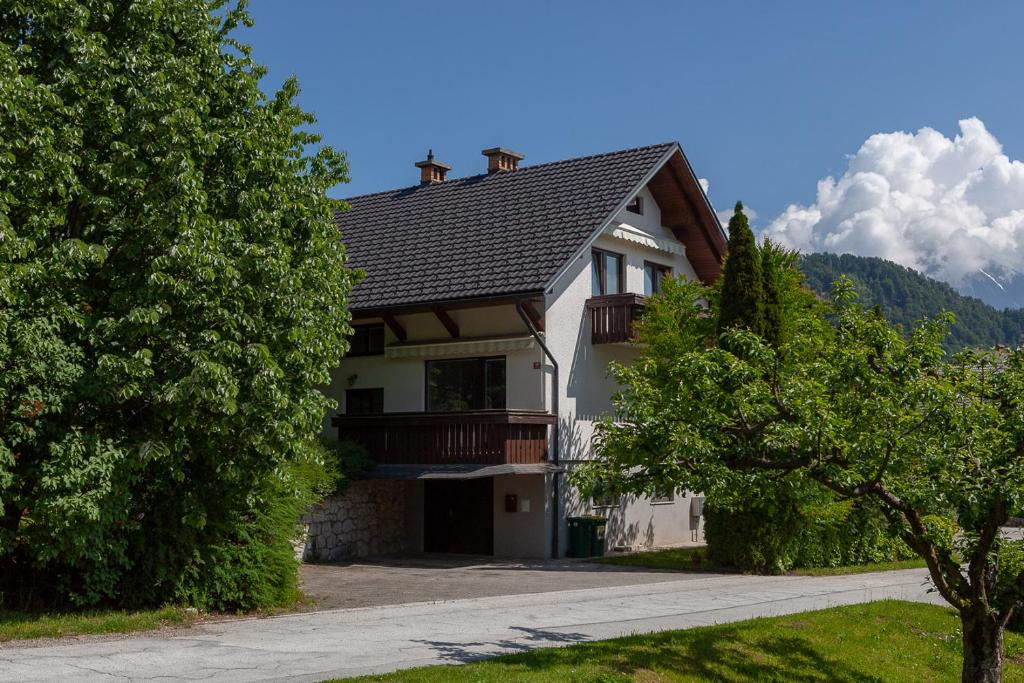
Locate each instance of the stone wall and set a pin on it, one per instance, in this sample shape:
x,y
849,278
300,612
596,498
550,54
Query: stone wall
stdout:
x,y
368,518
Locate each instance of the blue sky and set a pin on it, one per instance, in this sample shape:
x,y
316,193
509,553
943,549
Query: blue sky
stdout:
x,y
766,98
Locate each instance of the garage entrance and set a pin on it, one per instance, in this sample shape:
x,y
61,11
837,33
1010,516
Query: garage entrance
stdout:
x,y
458,516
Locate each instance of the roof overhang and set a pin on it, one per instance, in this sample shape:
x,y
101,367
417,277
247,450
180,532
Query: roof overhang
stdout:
x,y
686,211
415,472
503,299
439,348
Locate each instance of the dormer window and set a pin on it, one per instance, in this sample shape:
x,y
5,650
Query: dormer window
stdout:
x,y
636,206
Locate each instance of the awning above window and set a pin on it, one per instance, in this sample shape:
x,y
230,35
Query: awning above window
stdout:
x,y
625,231
458,347
457,471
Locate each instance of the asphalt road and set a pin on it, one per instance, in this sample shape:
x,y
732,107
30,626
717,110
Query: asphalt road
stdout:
x,y
347,642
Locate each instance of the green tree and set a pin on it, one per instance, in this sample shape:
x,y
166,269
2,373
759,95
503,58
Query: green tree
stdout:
x,y
850,404
774,261
172,294
742,294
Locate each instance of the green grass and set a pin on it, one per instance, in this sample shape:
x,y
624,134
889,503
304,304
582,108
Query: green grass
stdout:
x,y
25,625
916,563
687,559
695,559
881,641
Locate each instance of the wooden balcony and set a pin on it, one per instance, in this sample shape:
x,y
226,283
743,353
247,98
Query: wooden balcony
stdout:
x,y
612,317
486,437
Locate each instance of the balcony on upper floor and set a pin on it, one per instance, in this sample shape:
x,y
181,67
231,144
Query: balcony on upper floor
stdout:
x,y
612,317
485,437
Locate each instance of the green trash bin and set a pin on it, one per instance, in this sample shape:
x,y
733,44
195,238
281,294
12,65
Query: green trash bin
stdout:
x,y
597,527
579,536
586,536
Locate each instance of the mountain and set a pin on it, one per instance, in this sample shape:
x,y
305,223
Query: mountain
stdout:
x,y
996,289
906,296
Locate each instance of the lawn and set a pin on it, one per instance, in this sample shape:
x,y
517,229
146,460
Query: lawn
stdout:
x,y
21,625
881,641
695,559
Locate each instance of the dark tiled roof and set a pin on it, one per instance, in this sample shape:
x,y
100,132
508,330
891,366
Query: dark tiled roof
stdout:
x,y
485,235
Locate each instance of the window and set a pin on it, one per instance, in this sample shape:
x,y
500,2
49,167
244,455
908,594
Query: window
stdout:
x,y
364,401
603,496
367,340
465,384
654,275
636,206
662,496
606,273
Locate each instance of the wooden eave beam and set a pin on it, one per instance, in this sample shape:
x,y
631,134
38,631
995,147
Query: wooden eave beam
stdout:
x,y
535,317
446,320
395,326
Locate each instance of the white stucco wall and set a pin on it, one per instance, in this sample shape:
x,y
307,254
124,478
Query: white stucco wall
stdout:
x,y
586,388
521,533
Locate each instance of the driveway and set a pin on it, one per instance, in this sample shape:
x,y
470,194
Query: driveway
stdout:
x,y
347,642
431,578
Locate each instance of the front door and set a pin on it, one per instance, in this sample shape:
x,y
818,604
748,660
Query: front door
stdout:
x,y
458,516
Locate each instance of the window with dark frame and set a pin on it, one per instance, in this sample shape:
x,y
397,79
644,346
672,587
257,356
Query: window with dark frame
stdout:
x,y
636,206
366,340
606,273
654,275
663,496
461,384
364,401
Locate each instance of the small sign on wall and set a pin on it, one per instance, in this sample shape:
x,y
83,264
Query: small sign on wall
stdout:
x,y
524,505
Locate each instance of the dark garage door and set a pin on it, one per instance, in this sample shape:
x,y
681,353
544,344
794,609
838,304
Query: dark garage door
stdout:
x,y
458,516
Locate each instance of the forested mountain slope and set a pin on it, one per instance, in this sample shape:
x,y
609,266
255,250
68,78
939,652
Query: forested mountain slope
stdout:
x,y
906,296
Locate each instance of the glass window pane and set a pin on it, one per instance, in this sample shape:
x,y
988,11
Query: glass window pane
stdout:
x,y
595,274
611,267
364,401
465,384
650,281
494,383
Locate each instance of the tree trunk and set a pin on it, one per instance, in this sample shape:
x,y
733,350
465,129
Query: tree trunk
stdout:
x,y
983,648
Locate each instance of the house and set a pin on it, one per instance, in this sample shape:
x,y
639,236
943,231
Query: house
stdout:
x,y
491,308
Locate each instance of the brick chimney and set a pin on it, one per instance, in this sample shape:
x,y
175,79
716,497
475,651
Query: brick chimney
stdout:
x,y
501,159
431,171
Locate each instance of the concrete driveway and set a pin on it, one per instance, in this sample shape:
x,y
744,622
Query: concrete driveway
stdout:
x,y
347,642
431,578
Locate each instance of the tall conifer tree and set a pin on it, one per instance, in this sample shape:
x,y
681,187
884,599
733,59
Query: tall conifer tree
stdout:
x,y
772,330
742,303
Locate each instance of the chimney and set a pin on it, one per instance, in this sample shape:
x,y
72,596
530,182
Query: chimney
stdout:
x,y
431,171
501,159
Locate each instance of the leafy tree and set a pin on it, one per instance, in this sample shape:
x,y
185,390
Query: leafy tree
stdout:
x,y
172,294
742,293
852,405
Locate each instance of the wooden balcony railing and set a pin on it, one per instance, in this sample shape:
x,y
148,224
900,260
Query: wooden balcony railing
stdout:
x,y
486,437
612,317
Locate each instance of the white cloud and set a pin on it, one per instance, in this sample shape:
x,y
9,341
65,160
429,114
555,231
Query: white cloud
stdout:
x,y
725,214
947,207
